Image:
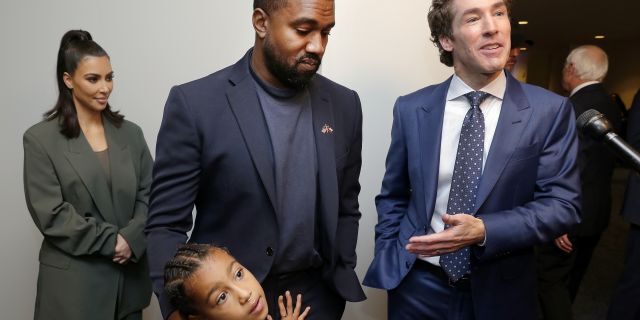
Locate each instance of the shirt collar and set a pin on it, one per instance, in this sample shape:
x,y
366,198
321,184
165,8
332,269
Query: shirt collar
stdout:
x,y
496,88
582,85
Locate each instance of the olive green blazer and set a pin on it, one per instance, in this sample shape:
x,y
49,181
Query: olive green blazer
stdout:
x,y
68,196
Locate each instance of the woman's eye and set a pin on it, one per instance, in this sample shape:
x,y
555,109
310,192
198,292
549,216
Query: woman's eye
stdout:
x,y
92,80
222,298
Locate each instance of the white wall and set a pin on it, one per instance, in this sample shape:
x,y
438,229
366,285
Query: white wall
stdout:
x,y
379,48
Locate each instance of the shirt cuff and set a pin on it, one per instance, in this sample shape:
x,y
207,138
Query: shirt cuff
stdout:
x,y
485,236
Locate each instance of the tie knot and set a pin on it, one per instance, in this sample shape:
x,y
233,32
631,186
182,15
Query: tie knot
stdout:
x,y
476,97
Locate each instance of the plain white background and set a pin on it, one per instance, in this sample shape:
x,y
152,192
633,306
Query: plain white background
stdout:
x,y
381,49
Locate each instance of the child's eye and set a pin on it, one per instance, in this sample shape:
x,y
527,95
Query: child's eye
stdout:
x,y
221,298
240,274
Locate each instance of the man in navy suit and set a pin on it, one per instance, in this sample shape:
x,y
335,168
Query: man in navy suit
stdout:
x,y
624,303
269,153
478,263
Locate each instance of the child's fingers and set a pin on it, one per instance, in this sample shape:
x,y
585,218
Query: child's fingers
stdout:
x,y
283,311
289,302
296,310
304,314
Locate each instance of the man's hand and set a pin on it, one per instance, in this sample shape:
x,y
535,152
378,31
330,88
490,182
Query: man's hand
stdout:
x,y
563,243
463,231
123,251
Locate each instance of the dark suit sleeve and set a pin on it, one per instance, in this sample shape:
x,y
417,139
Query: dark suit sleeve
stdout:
x,y
57,219
555,205
349,208
349,212
633,127
631,202
133,232
176,178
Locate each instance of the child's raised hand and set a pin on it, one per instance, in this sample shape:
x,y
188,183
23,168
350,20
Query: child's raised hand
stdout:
x,y
291,312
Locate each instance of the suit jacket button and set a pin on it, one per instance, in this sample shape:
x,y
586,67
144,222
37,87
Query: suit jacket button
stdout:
x,y
269,251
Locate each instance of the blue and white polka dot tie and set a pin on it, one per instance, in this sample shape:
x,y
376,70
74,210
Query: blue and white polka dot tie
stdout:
x,y
466,175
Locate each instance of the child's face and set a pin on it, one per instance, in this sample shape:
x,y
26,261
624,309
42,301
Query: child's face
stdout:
x,y
223,289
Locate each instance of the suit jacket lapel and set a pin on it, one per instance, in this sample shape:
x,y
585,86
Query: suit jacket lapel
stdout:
x,y
514,116
244,103
430,117
84,161
123,175
325,153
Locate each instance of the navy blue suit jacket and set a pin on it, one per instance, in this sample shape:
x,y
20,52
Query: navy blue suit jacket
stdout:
x,y
214,152
528,193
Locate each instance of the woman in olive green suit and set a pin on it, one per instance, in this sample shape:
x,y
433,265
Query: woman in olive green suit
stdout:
x,y
87,174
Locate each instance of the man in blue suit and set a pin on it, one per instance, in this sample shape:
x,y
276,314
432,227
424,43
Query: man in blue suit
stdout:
x,y
269,153
480,169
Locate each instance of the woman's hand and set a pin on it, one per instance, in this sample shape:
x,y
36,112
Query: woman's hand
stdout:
x,y
291,312
123,251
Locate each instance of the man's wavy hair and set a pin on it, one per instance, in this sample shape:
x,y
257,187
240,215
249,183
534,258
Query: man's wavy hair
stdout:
x,y
440,19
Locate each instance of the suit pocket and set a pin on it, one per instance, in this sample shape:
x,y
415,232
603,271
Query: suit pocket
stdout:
x,y
51,257
527,152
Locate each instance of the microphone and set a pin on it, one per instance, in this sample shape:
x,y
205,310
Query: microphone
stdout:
x,y
594,124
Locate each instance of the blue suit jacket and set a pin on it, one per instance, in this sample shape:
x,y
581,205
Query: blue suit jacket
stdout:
x,y
214,152
528,193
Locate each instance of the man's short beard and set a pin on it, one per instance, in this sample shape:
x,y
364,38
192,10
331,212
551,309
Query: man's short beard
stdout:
x,y
286,74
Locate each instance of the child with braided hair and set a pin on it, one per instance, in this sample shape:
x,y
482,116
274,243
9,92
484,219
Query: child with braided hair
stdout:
x,y
205,282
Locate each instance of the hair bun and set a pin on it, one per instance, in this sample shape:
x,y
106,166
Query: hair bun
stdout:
x,y
74,36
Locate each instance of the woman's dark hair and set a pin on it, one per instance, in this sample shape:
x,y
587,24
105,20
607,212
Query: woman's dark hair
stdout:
x,y
74,46
187,260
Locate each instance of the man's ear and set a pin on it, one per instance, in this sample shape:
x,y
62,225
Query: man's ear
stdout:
x,y
571,69
260,21
66,78
446,43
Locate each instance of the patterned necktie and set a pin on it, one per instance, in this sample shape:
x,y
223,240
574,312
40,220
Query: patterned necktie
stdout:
x,y
466,175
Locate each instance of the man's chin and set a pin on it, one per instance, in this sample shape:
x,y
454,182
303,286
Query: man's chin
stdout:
x,y
300,81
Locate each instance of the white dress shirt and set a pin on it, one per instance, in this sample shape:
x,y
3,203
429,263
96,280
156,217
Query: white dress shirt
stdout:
x,y
455,109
